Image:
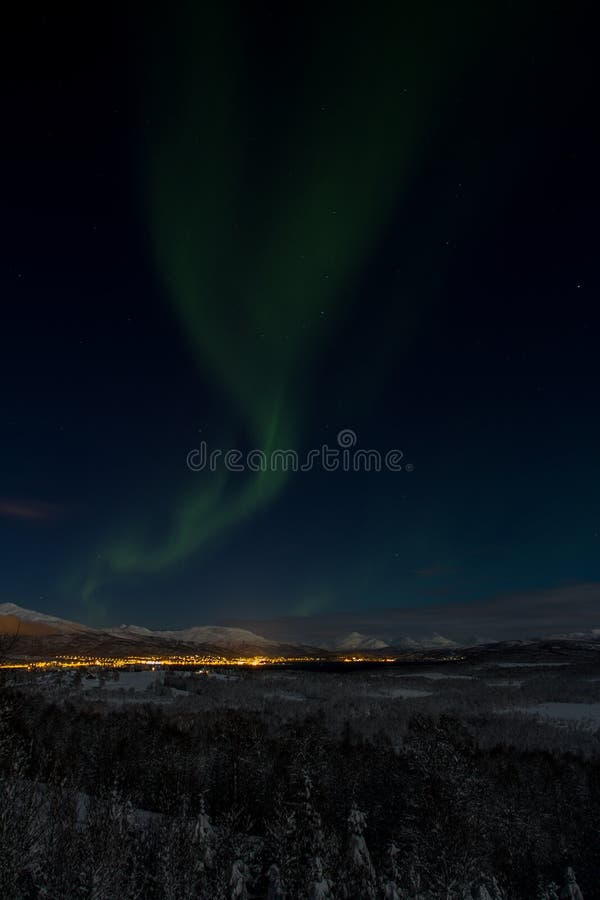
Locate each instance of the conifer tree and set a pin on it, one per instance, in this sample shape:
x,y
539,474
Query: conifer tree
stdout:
x,y
275,889
361,874
571,890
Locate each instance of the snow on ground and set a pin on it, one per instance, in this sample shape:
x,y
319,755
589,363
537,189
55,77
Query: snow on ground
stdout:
x,y
529,665
284,695
435,676
396,692
139,681
573,712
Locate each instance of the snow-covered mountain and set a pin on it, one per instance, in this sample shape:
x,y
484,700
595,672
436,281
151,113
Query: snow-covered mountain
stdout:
x,y
220,636
132,631
212,637
357,641
592,634
438,640
403,642
423,643
40,633
32,618
61,635
227,638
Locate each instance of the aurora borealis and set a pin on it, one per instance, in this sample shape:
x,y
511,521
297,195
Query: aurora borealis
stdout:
x,y
259,227
258,245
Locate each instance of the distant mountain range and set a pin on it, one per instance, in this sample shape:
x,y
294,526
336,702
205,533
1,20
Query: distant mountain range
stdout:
x,y
227,638
46,634
43,635
357,641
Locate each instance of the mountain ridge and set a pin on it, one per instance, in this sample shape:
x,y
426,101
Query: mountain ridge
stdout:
x,y
44,633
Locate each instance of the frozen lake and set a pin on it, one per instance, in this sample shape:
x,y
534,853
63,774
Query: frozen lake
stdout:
x,y
573,712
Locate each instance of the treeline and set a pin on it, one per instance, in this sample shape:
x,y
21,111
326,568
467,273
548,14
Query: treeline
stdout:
x,y
151,802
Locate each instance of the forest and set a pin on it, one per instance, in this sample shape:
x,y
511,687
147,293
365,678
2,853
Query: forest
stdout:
x,y
208,789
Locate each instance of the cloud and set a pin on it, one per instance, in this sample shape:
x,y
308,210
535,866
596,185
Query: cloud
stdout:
x,y
29,510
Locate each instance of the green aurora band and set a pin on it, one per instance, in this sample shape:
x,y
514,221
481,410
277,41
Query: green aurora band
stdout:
x,y
265,201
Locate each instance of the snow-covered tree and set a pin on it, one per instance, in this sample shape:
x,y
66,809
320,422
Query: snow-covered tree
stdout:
x,y
495,890
204,837
186,855
390,882
571,890
310,845
391,891
238,882
361,874
547,891
320,886
275,890
414,880
21,810
486,888
280,844
480,892
109,860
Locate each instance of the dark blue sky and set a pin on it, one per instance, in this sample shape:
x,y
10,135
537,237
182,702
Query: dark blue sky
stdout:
x,y
464,330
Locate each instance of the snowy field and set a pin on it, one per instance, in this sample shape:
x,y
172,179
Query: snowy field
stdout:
x,y
422,781
400,692
573,712
556,696
531,665
127,681
436,676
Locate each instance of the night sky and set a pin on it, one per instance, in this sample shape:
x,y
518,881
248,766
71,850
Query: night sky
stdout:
x,y
257,226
